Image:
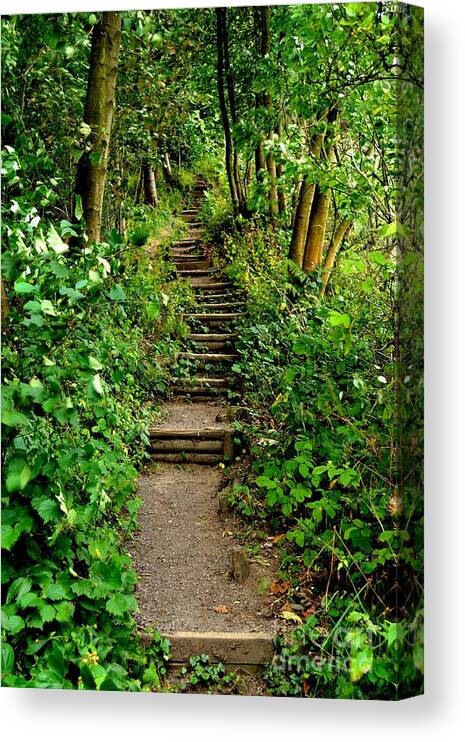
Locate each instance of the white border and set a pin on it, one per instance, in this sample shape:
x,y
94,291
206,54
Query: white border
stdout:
x,y
64,715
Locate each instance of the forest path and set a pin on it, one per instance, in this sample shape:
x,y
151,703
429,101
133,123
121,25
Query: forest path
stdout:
x,y
197,585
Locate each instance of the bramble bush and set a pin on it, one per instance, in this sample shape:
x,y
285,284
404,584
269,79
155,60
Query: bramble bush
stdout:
x,y
76,381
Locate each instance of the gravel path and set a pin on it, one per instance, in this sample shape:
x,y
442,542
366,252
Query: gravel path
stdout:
x,y
183,556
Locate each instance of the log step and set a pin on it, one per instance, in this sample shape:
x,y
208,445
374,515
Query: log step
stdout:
x,y
212,337
184,445
199,273
205,382
194,265
210,357
187,458
215,286
214,317
231,648
224,305
200,433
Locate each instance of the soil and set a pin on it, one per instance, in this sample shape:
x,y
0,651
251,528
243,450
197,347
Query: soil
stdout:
x,y
193,415
182,554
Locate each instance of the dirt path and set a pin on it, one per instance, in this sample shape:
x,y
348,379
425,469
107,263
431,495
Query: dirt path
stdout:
x,y
183,549
183,555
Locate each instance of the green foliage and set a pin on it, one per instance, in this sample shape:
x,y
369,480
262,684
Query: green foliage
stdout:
x,y
202,674
76,381
344,653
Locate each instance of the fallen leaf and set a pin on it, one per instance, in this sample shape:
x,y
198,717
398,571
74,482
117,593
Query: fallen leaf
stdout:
x,y
278,587
309,612
291,616
222,609
306,686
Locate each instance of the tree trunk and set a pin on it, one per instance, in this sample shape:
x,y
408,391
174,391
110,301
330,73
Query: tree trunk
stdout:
x,y
316,230
150,186
167,169
279,175
332,253
5,305
303,210
233,110
264,13
139,184
98,114
220,13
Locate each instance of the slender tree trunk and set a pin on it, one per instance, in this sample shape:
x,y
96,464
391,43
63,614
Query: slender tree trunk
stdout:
x,y
279,175
220,13
264,13
140,181
167,168
98,113
260,161
303,210
316,230
5,305
233,110
150,185
332,253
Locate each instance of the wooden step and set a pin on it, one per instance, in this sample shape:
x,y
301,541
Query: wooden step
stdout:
x,y
196,392
193,265
209,357
187,458
214,316
220,337
224,305
184,445
198,433
199,273
205,381
241,648
213,286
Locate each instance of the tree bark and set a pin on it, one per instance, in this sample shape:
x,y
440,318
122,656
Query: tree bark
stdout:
x,y
220,14
264,13
233,110
167,169
98,114
279,175
150,185
303,210
332,253
5,305
316,230
140,181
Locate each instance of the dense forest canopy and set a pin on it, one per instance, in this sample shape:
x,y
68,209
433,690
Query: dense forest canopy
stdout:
x,y
306,123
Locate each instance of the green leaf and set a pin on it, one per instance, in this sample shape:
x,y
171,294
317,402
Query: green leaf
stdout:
x,y
94,364
18,588
78,207
153,309
97,385
117,293
47,613
8,658
19,474
360,663
22,287
119,603
55,242
13,624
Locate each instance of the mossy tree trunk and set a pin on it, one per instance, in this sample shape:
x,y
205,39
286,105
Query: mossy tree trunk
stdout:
x,y
98,114
150,185
303,210
333,251
220,23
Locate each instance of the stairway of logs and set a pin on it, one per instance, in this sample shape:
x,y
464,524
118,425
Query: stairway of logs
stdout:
x,y
209,355
209,349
